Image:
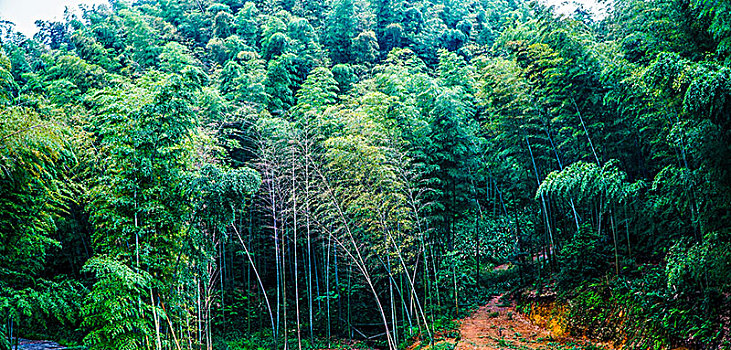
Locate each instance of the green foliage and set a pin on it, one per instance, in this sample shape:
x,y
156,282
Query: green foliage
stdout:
x,y
341,30
142,130
402,150
35,158
318,91
7,82
220,192
365,47
282,80
583,259
114,310
584,181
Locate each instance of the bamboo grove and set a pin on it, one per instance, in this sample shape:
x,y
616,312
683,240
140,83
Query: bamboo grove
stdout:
x,y
224,174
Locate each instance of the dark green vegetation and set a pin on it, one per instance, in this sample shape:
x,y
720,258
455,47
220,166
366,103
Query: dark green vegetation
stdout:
x,y
219,174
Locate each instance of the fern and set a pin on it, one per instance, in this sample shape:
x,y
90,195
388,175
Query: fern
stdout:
x,y
114,312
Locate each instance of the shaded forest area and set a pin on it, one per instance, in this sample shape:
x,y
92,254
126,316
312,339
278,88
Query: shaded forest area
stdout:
x,y
221,174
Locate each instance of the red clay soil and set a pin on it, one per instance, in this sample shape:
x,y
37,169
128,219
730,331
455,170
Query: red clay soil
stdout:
x,y
496,326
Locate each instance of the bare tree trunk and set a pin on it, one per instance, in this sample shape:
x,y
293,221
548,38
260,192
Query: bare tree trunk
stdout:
x,y
456,291
560,165
626,222
327,287
294,245
616,247
258,278
356,256
309,235
158,343
200,313
543,199
578,112
392,301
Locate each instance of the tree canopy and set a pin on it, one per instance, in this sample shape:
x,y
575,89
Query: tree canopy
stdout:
x,y
223,174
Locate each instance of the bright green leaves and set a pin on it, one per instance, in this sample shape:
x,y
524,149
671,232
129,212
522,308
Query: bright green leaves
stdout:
x,y
585,257
34,155
720,26
220,192
693,100
709,94
244,80
70,77
587,182
37,162
274,39
7,82
367,188
44,303
223,24
140,206
114,310
365,47
246,24
454,71
282,81
707,264
453,153
318,92
406,169
697,277
143,130
175,58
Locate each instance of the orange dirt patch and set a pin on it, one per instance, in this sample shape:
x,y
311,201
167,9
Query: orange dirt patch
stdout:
x,y
498,326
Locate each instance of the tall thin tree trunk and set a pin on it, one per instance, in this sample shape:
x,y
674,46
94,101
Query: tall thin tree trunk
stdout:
x,y
357,258
258,278
560,165
294,247
616,245
626,223
543,199
309,235
158,343
327,288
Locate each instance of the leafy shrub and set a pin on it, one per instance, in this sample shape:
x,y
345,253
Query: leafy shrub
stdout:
x,y
582,259
114,311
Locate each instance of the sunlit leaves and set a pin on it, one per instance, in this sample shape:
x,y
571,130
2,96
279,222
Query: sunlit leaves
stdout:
x,y
583,181
33,159
7,82
220,192
141,130
113,310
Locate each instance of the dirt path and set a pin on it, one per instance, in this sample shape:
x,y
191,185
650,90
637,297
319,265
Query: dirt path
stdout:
x,y
497,326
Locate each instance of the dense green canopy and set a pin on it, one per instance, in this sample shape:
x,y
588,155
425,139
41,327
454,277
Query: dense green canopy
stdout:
x,y
189,174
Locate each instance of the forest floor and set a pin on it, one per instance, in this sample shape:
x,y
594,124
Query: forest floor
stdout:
x,y
498,325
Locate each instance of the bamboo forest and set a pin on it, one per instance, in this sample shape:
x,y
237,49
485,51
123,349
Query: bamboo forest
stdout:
x,y
367,174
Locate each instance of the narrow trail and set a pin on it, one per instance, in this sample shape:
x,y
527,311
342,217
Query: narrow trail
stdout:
x,y
498,326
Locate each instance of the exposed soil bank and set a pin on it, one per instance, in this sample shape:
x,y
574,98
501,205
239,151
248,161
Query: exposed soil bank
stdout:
x,y
498,326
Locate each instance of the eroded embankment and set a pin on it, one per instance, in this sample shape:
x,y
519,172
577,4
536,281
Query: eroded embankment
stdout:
x,y
557,317
498,325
